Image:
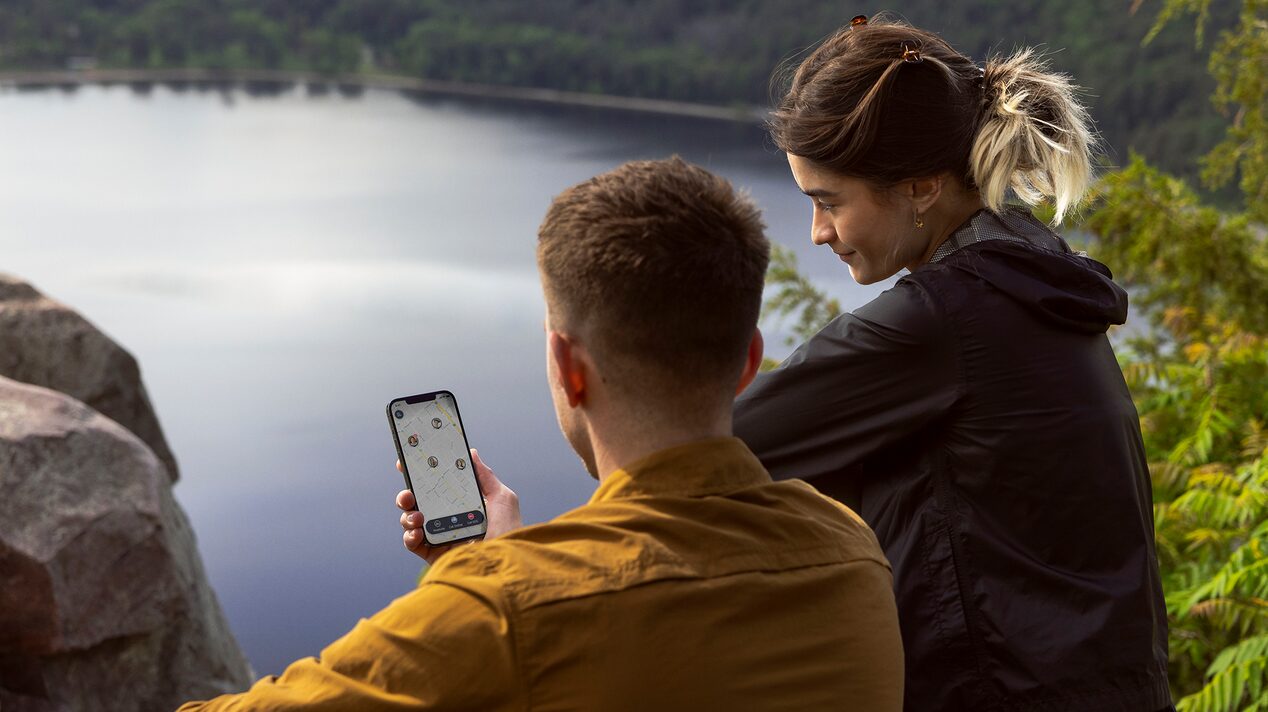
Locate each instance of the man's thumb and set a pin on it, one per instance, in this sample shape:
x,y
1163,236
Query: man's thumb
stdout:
x,y
484,473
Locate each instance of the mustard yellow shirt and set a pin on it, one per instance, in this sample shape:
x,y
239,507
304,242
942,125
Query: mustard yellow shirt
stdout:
x,y
690,581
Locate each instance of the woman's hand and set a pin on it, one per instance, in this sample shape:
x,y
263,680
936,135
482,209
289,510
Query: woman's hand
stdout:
x,y
502,506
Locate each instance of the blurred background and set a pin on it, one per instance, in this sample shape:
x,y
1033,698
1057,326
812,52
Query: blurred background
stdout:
x,y
286,253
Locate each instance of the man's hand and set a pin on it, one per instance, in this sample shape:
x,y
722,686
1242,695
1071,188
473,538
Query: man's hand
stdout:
x,y
501,504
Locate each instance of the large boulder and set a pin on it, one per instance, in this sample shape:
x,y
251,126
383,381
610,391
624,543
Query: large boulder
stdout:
x,y
104,603
48,344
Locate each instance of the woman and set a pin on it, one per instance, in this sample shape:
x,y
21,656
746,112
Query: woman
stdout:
x,y
974,414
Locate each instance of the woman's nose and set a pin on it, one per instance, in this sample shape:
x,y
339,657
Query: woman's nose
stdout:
x,y
821,230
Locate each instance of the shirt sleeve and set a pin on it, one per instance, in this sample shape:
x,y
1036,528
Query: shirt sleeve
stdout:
x,y
866,381
438,648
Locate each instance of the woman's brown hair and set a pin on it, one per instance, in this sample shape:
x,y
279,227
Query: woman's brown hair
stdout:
x,y
887,102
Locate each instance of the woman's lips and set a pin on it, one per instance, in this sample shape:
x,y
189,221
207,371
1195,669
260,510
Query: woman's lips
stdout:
x,y
845,256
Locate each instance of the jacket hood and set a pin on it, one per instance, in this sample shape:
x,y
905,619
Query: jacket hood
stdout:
x,y
1021,257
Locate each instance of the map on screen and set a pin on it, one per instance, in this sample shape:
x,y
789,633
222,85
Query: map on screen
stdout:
x,y
439,467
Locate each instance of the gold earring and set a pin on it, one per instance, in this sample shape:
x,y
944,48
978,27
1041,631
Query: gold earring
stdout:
x,y
920,221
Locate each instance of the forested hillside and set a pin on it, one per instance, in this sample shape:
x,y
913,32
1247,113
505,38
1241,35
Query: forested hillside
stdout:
x,y
1152,98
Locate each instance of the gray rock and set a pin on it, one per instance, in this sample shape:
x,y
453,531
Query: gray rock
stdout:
x,y
48,344
104,603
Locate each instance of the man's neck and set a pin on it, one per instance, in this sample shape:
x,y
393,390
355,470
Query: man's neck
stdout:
x,y
625,445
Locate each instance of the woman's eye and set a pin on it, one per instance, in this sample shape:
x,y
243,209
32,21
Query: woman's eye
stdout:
x,y
825,207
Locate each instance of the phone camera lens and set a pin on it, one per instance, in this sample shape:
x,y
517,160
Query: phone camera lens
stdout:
x,y
400,414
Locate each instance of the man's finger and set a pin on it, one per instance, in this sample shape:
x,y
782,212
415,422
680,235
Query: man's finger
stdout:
x,y
488,481
412,538
405,500
400,468
411,520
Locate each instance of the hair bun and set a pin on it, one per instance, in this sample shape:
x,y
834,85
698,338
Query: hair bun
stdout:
x,y
1035,136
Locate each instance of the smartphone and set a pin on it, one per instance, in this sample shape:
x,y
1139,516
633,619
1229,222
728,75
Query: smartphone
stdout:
x,y
436,461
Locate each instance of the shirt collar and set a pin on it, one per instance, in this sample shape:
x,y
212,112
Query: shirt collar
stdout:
x,y
1011,224
696,469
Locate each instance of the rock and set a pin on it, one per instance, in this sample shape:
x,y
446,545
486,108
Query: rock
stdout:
x,y
45,343
104,605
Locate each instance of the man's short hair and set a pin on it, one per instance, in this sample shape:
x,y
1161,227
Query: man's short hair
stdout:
x,y
659,265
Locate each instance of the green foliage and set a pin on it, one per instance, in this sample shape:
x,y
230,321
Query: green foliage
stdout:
x,y
1200,375
795,294
1237,680
1158,236
213,34
1239,64
1199,387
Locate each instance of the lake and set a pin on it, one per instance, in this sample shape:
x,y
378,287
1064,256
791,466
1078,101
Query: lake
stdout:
x,y
284,265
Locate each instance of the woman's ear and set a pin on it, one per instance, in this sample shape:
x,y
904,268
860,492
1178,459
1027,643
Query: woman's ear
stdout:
x,y
923,192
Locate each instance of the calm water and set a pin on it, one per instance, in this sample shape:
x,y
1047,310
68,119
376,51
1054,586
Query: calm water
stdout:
x,y
282,266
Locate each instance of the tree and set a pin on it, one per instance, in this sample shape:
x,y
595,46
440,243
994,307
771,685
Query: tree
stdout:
x,y
795,294
1200,376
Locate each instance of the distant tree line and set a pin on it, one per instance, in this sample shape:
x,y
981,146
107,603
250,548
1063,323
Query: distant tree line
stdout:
x,y
1152,98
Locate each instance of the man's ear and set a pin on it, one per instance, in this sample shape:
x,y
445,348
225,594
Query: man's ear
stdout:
x,y
569,366
752,362
923,192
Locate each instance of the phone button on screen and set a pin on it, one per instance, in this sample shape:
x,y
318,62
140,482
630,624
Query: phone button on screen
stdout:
x,y
455,521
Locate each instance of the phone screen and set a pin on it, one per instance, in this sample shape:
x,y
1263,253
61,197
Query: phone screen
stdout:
x,y
438,469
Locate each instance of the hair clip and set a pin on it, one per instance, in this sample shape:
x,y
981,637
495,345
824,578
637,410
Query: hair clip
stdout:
x,y
858,20
911,52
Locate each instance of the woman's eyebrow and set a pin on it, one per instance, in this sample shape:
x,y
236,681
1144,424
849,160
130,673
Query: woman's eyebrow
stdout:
x,y
818,193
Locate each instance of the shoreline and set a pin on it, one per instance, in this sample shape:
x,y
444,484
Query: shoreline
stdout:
x,y
76,77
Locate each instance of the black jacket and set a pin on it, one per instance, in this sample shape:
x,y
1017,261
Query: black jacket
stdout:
x,y
976,417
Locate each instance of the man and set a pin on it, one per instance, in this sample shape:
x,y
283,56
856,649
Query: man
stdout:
x,y
690,580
